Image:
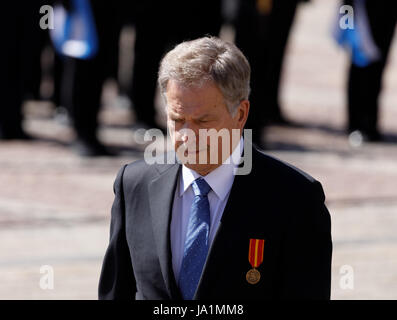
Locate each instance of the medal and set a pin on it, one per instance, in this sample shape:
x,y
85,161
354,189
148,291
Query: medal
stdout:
x,y
255,258
253,276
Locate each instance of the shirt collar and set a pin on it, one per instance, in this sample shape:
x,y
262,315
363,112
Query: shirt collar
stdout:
x,y
220,179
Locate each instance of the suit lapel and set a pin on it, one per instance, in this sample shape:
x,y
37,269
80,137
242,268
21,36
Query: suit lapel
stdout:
x,y
161,195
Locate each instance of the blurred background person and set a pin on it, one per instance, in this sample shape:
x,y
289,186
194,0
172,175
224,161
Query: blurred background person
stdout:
x,y
82,79
262,31
365,81
160,25
23,41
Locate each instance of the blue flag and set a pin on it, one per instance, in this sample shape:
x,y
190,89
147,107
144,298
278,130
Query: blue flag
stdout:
x,y
74,34
359,38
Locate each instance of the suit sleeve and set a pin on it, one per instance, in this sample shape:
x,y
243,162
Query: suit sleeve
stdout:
x,y
307,254
117,278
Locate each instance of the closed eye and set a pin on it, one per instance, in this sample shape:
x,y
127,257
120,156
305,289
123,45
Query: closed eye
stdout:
x,y
206,120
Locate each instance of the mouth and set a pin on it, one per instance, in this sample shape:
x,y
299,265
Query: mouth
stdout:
x,y
195,152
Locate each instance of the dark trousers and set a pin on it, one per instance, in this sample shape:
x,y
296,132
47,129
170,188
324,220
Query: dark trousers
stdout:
x,y
160,26
365,83
22,42
82,80
263,38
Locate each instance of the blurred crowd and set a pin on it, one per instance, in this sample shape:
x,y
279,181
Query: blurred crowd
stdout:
x,y
261,28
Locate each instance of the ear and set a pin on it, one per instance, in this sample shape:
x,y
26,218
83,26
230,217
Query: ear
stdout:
x,y
242,113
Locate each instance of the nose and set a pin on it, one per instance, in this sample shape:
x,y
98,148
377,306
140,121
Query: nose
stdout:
x,y
188,134
188,129
184,137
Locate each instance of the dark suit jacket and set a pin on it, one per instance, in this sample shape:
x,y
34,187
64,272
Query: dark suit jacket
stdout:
x,y
275,202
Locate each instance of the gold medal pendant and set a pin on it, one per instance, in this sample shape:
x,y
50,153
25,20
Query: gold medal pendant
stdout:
x,y
253,276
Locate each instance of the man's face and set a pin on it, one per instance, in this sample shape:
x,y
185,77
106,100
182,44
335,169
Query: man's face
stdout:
x,y
201,107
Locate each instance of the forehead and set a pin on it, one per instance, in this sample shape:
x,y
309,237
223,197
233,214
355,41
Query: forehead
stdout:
x,y
194,99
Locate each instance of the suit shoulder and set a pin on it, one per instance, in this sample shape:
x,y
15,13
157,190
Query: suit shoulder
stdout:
x,y
138,170
283,167
286,175
142,171
289,181
139,166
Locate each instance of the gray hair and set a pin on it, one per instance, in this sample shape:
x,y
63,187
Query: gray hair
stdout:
x,y
195,62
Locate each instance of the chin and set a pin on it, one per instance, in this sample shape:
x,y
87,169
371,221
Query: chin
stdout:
x,y
201,169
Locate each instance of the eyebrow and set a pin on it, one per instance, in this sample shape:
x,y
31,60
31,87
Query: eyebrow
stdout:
x,y
175,115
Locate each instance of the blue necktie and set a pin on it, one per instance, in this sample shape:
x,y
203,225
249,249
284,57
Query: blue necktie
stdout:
x,y
196,241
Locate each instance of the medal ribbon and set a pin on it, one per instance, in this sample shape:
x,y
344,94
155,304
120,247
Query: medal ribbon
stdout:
x,y
255,252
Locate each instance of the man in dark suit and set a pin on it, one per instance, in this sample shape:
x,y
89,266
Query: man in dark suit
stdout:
x,y
199,229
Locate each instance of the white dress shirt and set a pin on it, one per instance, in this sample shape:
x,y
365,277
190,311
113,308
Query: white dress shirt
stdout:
x,y
221,181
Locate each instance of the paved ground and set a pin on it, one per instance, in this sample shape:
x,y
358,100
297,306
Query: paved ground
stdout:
x,y
55,206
